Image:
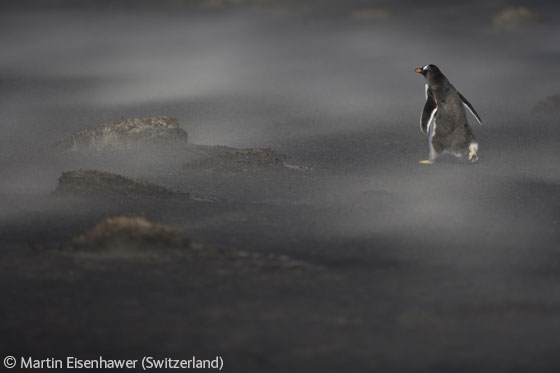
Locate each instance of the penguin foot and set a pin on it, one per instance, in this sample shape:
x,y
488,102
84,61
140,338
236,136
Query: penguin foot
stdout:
x,y
427,161
473,149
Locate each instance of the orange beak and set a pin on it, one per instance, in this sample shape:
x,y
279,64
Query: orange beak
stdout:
x,y
418,70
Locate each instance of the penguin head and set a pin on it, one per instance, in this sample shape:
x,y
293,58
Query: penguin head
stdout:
x,y
429,71
434,76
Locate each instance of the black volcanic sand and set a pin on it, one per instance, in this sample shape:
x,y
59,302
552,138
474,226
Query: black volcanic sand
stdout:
x,y
361,260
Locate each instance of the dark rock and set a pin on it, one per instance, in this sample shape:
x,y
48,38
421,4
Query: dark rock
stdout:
x,y
124,233
100,183
126,134
130,236
548,105
513,18
197,151
240,160
133,236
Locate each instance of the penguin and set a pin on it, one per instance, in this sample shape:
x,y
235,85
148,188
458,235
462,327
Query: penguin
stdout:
x,y
444,118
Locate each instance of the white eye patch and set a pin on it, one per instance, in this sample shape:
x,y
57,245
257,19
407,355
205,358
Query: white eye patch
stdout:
x,y
425,68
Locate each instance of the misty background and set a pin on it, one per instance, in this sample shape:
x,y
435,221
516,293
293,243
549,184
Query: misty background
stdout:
x,y
461,253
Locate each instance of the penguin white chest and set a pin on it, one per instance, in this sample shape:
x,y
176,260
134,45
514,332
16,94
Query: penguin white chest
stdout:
x,y
432,128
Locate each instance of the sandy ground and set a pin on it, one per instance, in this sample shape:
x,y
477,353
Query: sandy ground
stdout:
x,y
449,267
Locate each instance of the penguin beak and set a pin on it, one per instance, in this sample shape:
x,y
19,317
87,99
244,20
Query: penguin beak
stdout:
x,y
418,70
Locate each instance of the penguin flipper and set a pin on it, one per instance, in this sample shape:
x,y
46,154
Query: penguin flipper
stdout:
x,y
471,108
430,108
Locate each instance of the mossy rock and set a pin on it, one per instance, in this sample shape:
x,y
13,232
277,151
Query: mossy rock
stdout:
x,y
135,236
126,134
138,237
125,232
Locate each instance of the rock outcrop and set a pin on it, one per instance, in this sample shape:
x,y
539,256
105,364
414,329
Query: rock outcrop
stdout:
x,y
240,160
126,134
106,184
121,233
137,236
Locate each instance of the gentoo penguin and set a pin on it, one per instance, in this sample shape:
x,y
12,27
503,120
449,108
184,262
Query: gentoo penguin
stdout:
x,y
444,119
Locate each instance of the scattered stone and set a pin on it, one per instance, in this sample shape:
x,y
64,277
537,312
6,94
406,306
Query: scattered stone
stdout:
x,y
126,134
549,105
368,14
512,18
240,160
101,183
